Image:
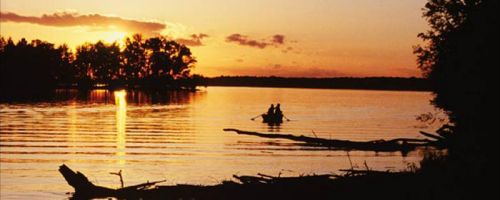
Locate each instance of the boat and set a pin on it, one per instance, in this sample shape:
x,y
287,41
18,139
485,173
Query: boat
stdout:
x,y
272,119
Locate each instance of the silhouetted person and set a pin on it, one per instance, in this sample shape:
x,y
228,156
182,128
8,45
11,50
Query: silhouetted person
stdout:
x,y
270,111
277,110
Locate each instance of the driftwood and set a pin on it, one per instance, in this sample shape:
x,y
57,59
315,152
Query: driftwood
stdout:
x,y
398,144
254,187
437,137
355,184
84,189
268,179
358,172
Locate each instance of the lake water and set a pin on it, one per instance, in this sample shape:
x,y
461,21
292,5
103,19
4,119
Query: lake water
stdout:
x,y
178,136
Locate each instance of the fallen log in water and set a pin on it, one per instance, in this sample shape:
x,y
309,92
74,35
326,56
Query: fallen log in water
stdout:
x,y
398,144
84,189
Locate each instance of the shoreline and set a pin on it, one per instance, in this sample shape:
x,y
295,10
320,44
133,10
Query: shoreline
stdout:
x,y
365,83
319,88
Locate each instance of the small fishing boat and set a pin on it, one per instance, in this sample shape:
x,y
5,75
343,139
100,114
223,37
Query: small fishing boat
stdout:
x,y
272,119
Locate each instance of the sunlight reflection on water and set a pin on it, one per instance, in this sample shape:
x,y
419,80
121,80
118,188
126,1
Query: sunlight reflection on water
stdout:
x,y
121,123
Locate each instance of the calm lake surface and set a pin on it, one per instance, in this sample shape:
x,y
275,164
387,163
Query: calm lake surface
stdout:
x,y
177,136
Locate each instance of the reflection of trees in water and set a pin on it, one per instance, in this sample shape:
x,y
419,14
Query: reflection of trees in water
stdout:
x,y
137,97
161,97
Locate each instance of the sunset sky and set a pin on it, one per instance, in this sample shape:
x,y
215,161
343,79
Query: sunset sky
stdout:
x,y
294,38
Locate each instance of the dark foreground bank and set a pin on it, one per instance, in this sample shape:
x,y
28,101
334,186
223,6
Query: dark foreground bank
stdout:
x,y
427,182
255,187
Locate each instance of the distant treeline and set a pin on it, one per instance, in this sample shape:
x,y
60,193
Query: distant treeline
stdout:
x,y
33,68
370,83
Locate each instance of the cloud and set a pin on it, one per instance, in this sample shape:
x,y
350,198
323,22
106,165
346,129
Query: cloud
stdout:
x,y
93,21
243,40
193,40
276,40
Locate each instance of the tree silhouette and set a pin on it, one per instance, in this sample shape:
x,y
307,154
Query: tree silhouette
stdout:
x,y
134,59
29,69
183,61
100,62
460,60
65,73
167,61
158,59
83,65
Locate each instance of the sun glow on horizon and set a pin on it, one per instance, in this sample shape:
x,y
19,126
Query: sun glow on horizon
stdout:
x,y
342,38
115,36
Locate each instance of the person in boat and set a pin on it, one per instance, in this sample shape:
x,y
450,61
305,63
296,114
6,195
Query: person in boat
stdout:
x,y
277,111
270,111
273,116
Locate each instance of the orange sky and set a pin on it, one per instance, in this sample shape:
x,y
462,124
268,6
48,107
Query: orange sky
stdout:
x,y
315,38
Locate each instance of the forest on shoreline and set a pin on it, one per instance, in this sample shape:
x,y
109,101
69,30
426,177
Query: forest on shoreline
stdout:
x,y
35,68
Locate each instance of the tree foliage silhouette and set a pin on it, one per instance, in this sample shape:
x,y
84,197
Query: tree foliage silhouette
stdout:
x,y
30,69
460,59
37,67
168,60
99,62
134,59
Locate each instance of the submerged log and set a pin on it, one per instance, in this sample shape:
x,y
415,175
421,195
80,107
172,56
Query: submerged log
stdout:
x,y
398,144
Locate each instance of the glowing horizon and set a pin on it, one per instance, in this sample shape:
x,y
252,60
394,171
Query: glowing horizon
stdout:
x,y
256,38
